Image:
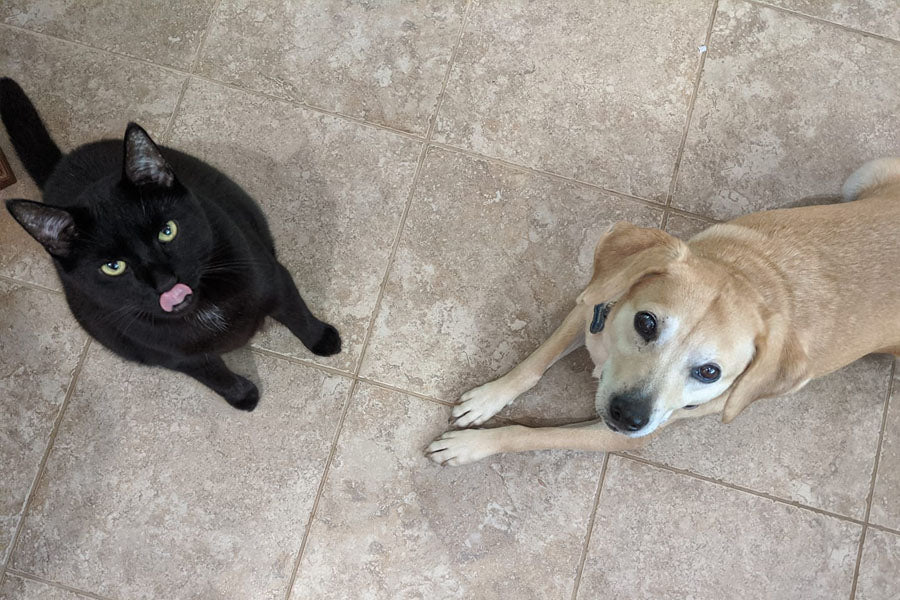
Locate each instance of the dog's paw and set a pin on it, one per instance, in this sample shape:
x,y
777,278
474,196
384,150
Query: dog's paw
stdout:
x,y
244,396
478,405
461,447
329,343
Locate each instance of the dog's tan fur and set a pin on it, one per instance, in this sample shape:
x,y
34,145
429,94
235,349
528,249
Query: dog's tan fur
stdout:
x,y
775,298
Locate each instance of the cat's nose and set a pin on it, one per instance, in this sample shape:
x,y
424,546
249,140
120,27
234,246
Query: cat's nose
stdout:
x,y
163,281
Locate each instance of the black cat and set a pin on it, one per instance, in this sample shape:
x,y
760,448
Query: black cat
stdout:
x,y
163,259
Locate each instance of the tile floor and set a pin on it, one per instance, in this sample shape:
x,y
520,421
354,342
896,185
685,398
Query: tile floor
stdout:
x,y
436,174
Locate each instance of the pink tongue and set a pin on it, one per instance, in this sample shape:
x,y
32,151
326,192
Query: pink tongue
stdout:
x,y
174,297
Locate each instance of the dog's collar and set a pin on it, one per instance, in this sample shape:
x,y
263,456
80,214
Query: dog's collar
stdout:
x,y
601,311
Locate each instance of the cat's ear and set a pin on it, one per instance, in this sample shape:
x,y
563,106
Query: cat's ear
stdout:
x,y
144,164
53,227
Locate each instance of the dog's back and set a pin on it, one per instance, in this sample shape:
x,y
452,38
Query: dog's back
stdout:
x,y
836,266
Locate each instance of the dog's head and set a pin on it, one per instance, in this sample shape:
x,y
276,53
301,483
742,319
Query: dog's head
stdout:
x,y
670,331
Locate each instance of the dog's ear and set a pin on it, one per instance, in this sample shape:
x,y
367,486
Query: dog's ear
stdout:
x,y
625,255
779,366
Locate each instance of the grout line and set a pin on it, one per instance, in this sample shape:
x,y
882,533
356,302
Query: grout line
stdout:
x,y
686,213
690,113
195,62
358,121
300,361
550,174
164,139
665,220
884,529
393,388
29,497
95,48
311,107
319,490
364,123
187,73
29,284
862,537
590,528
453,55
55,584
739,488
496,420
390,261
396,244
417,176
822,21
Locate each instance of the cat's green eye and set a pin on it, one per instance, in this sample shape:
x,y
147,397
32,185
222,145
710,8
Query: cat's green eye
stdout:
x,y
168,233
113,267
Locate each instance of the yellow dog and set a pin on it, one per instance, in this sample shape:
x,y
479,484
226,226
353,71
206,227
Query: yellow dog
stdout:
x,y
749,309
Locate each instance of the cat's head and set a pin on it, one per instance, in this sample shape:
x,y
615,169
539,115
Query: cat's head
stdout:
x,y
138,241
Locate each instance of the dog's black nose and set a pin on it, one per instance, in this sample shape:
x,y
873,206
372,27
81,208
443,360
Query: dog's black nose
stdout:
x,y
627,413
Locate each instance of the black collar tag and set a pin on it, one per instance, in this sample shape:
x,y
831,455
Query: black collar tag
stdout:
x,y
601,311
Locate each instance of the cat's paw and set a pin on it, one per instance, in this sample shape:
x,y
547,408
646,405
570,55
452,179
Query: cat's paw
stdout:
x,y
244,396
329,343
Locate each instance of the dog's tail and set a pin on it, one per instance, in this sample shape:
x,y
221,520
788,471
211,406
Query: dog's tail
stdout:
x,y
871,174
37,150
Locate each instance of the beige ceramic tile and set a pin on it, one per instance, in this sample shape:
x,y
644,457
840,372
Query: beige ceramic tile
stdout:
x,y
333,191
881,17
879,567
787,108
165,32
886,499
391,524
816,447
662,535
384,62
39,347
599,94
565,394
82,95
156,488
15,587
685,227
490,261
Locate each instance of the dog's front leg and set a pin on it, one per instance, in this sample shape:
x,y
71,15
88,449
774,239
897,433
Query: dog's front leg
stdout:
x,y
480,404
468,445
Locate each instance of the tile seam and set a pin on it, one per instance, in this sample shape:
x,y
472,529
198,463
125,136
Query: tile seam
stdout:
x,y
45,456
826,22
873,481
739,488
670,194
590,528
56,584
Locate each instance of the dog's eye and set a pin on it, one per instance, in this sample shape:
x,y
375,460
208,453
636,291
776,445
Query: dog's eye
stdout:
x,y
706,373
691,406
645,324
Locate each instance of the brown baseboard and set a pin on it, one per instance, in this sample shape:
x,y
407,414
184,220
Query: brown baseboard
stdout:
x,y
7,178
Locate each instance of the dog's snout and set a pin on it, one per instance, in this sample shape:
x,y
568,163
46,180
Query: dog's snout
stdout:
x,y
628,412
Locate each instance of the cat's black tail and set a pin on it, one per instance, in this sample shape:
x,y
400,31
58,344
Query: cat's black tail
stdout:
x,y
37,150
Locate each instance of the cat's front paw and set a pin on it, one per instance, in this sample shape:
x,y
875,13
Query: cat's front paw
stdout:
x,y
329,343
244,396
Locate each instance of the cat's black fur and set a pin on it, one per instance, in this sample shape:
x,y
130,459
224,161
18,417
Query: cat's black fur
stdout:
x,y
108,201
